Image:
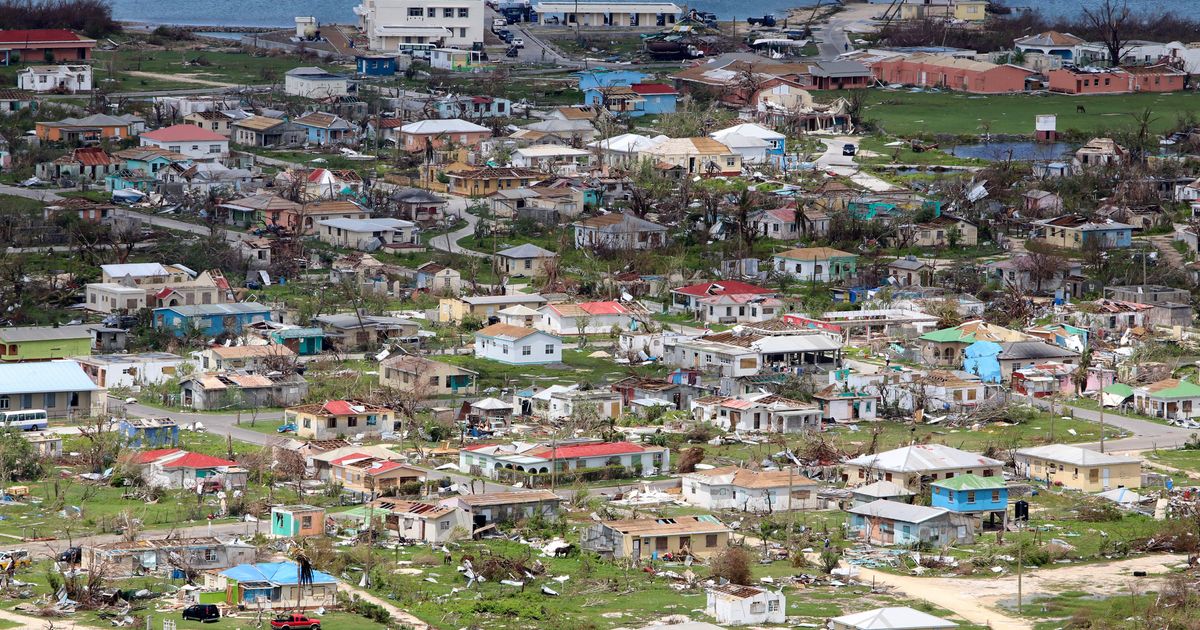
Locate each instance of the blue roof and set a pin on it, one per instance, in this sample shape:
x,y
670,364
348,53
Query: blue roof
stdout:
x,y
44,377
199,310
273,572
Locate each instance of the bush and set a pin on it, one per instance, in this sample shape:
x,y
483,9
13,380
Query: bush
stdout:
x,y
830,559
733,564
689,459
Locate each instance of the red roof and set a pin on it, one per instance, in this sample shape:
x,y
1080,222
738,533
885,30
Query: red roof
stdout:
x,y
42,35
382,467
349,458
391,123
198,460
725,287
338,408
588,450
652,88
92,156
183,133
145,457
604,308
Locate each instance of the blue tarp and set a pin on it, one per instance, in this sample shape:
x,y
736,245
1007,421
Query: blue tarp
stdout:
x,y
273,572
981,359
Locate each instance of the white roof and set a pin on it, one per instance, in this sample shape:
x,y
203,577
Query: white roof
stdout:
x,y
882,489
519,310
137,270
796,343
922,458
897,511
607,7
549,150
897,618
491,404
1121,496
1075,455
450,125
740,141
627,143
748,129
367,225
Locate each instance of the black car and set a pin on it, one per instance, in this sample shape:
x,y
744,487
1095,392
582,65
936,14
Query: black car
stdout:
x,y
849,149
202,612
71,555
512,51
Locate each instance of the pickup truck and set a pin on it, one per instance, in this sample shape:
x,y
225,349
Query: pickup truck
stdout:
x,y
295,622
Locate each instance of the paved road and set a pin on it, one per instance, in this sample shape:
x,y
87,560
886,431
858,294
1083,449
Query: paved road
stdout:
x,y
158,220
833,34
1147,435
38,194
449,242
833,161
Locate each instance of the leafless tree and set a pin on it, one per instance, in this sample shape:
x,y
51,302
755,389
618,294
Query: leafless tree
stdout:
x,y
1041,267
1111,20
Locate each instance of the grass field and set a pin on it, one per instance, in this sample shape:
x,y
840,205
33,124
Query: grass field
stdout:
x,y
580,368
904,113
222,67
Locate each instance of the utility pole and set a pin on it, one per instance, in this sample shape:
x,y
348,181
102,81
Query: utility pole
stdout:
x,y
1101,421
1020,561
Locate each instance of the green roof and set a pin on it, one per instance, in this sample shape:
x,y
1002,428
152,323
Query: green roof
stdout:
x,y
947,335
1119,389
971,482
1184,389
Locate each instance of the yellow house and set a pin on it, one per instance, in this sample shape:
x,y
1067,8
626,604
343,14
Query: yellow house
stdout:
x,y
961,10
637,538
697,156
945,231
468,181
453,310
1079,468
970,10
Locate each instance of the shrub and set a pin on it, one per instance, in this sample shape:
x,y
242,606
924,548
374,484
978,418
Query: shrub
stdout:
x,y
689,459
733,564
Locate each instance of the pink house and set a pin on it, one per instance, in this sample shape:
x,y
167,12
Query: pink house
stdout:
x,y
953,73
1044,379
438,134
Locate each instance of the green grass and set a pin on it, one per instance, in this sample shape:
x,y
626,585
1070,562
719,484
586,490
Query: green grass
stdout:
x,y
904,113
225,67
329,621
580,368
905,155
13,203
1182,459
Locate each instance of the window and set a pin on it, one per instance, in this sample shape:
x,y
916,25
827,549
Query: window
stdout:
x,y
174,147
661,543
352,421
462,13
773,605
549,348
414,11
504,350
448,13
308,423
526,351
444,526
432,12
331,423
462,32
970,497
710,540
729,161
528,263
210,555
50,400
214,148
306,521
995,496
372,421
4,402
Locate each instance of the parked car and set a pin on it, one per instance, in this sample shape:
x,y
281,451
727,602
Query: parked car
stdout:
x,y
499,23
71,555
518,42
204,613
295,621
849,149
512,51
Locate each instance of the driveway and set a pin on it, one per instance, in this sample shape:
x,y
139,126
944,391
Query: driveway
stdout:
x,y
157,220
833,35
834,162
449,242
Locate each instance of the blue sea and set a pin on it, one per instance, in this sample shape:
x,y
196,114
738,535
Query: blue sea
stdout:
x,y
275,13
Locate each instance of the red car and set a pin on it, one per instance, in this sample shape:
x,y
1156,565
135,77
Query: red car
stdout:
x,y
295,622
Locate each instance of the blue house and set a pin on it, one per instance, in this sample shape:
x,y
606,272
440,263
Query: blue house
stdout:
x,y
593,79
323,128
129,180
375,65
150,159
886,522
275,584
151,432
210,319
970,494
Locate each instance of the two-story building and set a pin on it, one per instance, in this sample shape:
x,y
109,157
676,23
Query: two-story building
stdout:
x,y
517,345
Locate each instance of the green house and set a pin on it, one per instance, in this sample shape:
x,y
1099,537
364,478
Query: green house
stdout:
x,y
288,521
302,341
43,343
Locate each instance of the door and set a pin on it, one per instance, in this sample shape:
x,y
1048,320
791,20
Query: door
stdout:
x,y
637,548
1104,475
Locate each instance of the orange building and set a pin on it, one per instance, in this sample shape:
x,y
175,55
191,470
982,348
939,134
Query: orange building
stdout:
x,y
1156,78
91,128
951,73
45,45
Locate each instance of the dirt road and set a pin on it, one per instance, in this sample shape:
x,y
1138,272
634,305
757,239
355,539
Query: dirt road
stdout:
x,y
178,78
977,599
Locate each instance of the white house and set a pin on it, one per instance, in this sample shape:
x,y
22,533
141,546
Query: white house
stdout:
x,y
552,158
190,140
732,488
775,140
759,412
596,317
624,150
517,345
367,234
909,465
619,231
737,605
893,618
310,82
391,24
69,79
131,370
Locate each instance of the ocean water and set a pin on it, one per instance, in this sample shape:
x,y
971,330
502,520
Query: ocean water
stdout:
x,y
274,13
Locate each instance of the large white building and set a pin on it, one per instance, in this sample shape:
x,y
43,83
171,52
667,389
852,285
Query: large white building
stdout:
x,y
392,24
731,488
